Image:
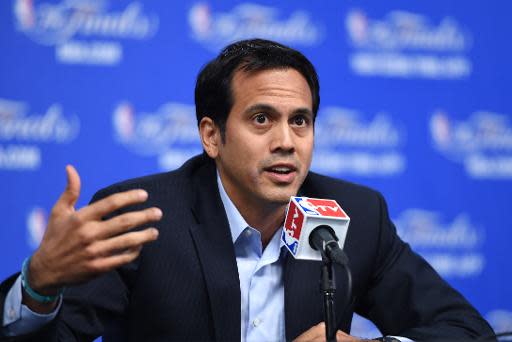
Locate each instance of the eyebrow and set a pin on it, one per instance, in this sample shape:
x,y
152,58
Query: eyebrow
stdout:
x,y
261,107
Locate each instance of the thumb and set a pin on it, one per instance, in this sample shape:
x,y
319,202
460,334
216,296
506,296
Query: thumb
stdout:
x,y
72,191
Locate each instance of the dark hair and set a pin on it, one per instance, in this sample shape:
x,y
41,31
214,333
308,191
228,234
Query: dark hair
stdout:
x,y
213,94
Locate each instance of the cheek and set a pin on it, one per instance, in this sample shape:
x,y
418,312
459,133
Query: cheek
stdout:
x,y
252,170
245,162
306,151
248,153
309,156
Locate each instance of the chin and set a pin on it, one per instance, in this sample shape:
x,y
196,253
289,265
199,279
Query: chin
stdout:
x,y
280,197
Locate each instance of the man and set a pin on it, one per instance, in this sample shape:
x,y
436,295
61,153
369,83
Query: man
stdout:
x,y
218,270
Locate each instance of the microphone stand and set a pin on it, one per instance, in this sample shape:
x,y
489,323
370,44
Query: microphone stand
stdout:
x,y
328,288
323,239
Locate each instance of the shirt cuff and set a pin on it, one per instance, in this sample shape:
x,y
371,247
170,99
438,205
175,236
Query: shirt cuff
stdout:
x,y
18,319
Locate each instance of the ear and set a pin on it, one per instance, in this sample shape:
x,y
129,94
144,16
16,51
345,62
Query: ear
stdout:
x,y
210,136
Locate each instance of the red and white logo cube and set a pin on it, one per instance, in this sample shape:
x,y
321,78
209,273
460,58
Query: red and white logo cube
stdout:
x,y
305,214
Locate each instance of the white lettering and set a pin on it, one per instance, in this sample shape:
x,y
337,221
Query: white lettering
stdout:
x,y
98,53
19,157
249,20
169,130
362,163
449,265
345,126
406,30
479,166
326,208
483,142
51,126
295,215
422,228
408,66
56,24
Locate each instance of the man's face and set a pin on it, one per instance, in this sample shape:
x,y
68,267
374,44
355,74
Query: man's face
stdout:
x,y
269,138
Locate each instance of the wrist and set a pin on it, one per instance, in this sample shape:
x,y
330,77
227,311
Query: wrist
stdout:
x,y
41,294
40,277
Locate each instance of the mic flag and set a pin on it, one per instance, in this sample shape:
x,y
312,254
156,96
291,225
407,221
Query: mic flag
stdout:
x,y
303,215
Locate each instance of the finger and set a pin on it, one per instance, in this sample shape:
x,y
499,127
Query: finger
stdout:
x,y
114,261
342,333
344,337
99,209
122,243
70,195
121,223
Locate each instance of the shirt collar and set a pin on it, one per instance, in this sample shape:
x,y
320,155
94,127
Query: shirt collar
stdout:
x,y
236,222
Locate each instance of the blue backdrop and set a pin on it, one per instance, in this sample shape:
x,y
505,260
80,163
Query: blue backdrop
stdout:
x,y
415,103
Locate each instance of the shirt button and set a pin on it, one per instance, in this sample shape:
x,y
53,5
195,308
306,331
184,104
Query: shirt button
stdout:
x,y
256,322
12,313
248,232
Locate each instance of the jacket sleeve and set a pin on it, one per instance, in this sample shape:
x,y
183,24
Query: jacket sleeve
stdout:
x,y
407,297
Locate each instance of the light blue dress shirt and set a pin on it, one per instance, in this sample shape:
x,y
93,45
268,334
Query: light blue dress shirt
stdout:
x,y
18,318
261,278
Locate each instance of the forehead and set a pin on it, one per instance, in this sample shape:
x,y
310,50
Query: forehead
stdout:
x,y
280,87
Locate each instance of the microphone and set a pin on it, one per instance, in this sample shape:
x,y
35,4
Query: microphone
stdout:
x,y
323,239
314,227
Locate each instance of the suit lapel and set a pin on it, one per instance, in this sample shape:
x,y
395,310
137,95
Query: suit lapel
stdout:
x,y
215,250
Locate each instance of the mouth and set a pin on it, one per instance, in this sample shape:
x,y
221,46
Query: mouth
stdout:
x,y
282,173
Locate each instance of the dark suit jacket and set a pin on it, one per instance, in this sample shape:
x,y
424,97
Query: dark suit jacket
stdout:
x,y
185,286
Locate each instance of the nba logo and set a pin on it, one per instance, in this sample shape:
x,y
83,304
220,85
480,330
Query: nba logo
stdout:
x,y
307,206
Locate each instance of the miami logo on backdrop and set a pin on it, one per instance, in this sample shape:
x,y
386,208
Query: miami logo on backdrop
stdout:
x,y
482,143
215,30
169,133
453,247
23,134
86,31
403,44
348,142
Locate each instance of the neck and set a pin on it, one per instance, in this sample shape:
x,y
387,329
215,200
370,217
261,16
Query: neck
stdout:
x,y
265,217
266,220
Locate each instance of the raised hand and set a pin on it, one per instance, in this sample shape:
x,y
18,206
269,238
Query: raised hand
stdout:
x,y
78,245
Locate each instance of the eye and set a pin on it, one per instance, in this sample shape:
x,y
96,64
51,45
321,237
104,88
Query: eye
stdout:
x,y
261,118
300,120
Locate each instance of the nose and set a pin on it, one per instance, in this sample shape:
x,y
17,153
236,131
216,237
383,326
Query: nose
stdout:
x,y
282,139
